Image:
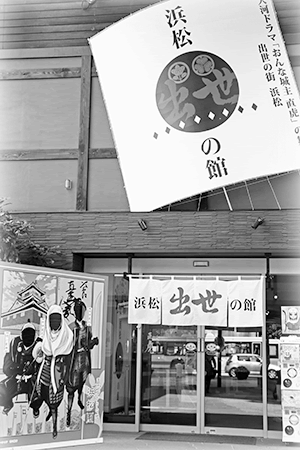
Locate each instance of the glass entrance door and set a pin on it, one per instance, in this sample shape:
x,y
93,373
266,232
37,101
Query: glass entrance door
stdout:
x,y
207,379
169,387
233,373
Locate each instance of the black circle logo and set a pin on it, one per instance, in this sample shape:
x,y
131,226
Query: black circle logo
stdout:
x,y
197,91
287,383
289,430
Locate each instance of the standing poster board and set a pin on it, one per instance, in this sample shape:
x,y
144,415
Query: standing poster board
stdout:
x,y
52,337
290,385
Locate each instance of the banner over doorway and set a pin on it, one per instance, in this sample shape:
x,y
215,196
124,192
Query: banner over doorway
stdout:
x,y
200,94
196,302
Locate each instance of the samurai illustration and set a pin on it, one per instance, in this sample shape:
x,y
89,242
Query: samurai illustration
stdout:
x,y
20,367
80,365
56,346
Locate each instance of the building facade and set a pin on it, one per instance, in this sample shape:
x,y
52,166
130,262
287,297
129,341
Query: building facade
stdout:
x,y
60,171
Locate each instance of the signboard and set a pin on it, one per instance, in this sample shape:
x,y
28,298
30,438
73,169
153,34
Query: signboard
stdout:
x,y
196,302
51,356
193,108
290,320
290,385
290,401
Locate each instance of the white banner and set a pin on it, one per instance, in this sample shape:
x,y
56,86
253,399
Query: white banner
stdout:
x,y
245,303
196,302
192,302
192,107
144,301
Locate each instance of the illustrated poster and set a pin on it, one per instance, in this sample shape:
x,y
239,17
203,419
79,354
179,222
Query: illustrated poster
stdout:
x,y
51,364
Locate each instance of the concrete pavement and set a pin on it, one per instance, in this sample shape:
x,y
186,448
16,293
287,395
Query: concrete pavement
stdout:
x,y
139,441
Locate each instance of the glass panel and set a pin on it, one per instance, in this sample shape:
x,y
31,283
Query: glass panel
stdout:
x,y
169,373
120,364
238,196
233,379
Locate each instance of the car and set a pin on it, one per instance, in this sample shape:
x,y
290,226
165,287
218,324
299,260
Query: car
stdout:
x,y
252,362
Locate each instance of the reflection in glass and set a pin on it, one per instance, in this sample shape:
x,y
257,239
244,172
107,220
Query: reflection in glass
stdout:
x,y
120,364
234,399
169,370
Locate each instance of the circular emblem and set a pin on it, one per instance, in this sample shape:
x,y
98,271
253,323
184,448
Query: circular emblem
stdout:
x,y
197,91
203,65
178,72
287,383
292,372
289,430
294,420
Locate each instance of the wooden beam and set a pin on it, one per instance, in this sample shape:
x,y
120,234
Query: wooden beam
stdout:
x,y
61,21
102,153
33,74
37,29
36,155
44,11
54,52
51,36
81,42
73,72
54,154
84,131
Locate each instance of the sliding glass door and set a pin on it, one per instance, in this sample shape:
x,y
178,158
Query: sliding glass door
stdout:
x,y
169,375
233,393
209,379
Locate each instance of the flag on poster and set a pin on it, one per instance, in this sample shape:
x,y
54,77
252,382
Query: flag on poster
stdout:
x,y
194,302
144,301
182,95
245,303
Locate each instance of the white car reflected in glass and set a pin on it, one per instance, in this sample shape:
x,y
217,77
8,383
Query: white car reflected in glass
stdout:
x,y
252,362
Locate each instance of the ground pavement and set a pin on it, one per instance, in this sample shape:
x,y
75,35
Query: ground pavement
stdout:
x,y
162,441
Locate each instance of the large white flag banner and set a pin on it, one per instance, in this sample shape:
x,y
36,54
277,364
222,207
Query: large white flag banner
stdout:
x,y
200,94
192,302
245,303
144,301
